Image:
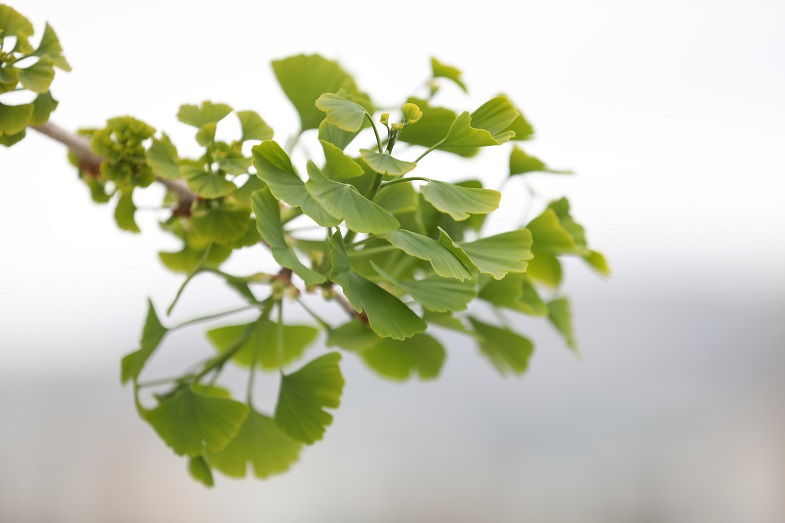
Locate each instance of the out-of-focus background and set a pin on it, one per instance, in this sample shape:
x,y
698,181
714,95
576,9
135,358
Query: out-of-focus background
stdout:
x,y
672,114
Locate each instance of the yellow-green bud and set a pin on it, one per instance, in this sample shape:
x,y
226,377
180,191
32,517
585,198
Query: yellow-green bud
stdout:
x,y
385,118
411,113
397,126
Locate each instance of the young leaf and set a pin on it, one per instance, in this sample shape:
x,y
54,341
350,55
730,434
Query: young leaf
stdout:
x,y
598,262
274,167
383,163
253,127
305,394
162,158
51,48
186,259
387,315
342,113
220,224
344,201
260,444
515,292
337,164
398,199
268,222
435,293
549,236
546,268
502,253
444,262
522,163
205,184
200,471
507,351
304,78
561,317
398,360
496,116
460,202
264,340
38,77
456,250
354,335
189,421
14,118
152,335
125,211
207,113
441,70
332,134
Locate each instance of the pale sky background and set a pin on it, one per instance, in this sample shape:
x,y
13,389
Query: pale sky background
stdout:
x,y
671,113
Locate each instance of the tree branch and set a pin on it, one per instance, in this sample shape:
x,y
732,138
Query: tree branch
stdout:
x,y
80,146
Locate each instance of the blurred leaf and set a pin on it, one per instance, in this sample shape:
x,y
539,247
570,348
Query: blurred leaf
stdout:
x,y
459,202
253,127
444,262
205,184
162,158
306,77
14,118
502,253
560,316
441,70
264,340
268,222
204,114
261,444
598,261
522,163
152,335
387,315
51,48
383,163
185,260
337,164
200,471
189,421
125,211
206,134
38,77
334,135
515,292
305,394
220,224
398,360
12,23
546,268
435,293
274,167
432,127
43,105
355,335
398,199
344,201
507,351
10,139
549,236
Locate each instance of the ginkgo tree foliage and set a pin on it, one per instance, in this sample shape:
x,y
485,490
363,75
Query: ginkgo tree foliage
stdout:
x,y
404,256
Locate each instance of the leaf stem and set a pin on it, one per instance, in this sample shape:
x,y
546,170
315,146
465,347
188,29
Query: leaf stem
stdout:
x,y
429,149
372,250
375,131
213,316
197,268
315,316
404,180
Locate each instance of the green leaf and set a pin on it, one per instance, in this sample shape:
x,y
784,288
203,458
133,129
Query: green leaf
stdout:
x,y
342,113
496,116
260,444
205,184
432,127
598,262
12,23
398,360
334,135
220,224
398,199
51,48
305,394
162,158
152,335
344,201
38,77
546,268
387,315
506,350
441,70
560,315
201,115
253,127
522,163
235,164
264,340
521,127
515,292
502,253
444,262
463,134
549,236
304,78
125,211
189,421
10,139
460,202
185,260
43,105
268,222
337,164
14,118
562,209
274,167
200,471
435,293
384,163
448,243
355,336
206,134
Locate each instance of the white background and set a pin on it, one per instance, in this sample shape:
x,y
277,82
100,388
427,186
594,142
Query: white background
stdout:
x,y
671,113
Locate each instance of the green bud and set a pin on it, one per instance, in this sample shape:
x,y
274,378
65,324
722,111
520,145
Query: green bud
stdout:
x,y
385,119
397,126
411,113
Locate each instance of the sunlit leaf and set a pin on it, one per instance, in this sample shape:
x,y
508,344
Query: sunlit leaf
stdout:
x,y
152,335
496,116
261,444
253,127
435,293
344,201
274,167
306,77
444,262
460,202
502,253
398,360
201,115
189,421
441,70
506,350
337,164
383,163
387,315
305,394
263,340
268,222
